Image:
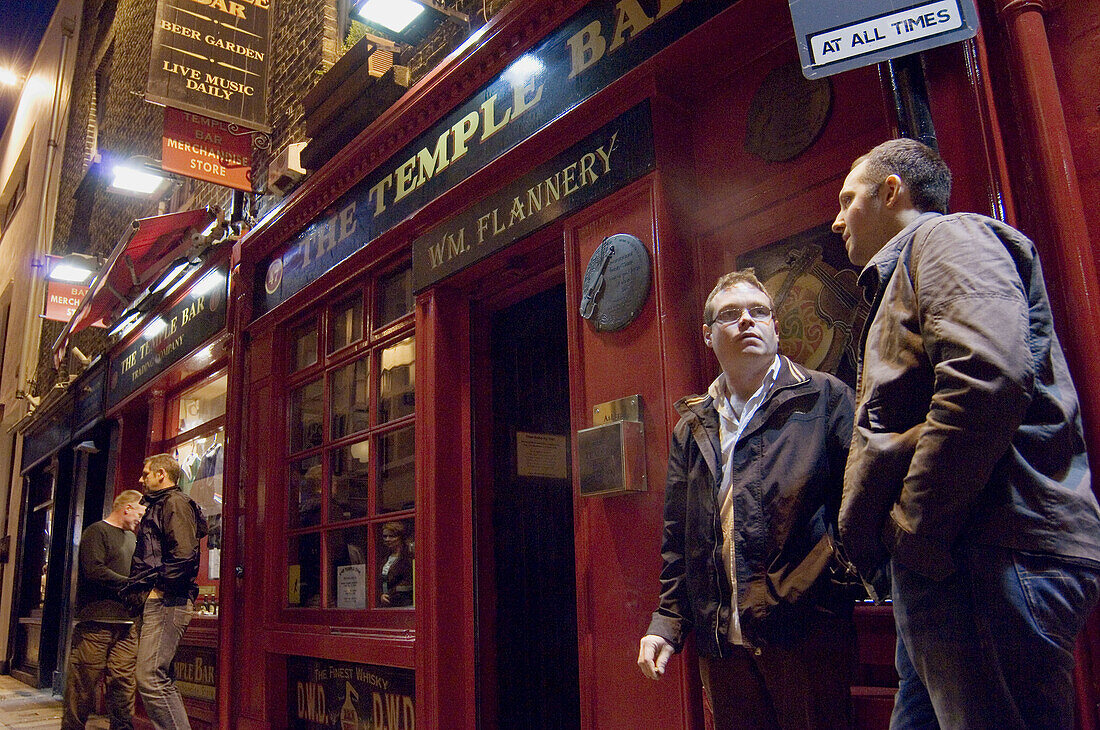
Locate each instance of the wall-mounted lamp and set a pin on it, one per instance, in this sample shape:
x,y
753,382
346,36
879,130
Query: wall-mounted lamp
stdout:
x,y
74,268
139,177
407,21
125,324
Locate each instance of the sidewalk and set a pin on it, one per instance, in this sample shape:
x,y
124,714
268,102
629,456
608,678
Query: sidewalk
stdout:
x,y
26,708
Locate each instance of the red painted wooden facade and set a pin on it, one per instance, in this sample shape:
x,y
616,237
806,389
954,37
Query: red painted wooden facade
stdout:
x,y
999,106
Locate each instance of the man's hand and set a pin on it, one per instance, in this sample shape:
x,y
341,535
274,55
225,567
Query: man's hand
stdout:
x,y
653,655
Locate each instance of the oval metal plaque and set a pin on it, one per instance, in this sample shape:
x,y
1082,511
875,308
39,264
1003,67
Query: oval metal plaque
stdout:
x,y
616,282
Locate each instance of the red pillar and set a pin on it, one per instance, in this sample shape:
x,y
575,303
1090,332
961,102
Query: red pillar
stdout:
x,y
1069,255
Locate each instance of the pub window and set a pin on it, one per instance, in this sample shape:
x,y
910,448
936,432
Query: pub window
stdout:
x,y
350,409
16,191
196,438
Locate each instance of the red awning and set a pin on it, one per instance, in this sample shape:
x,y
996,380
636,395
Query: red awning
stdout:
x,y
137,259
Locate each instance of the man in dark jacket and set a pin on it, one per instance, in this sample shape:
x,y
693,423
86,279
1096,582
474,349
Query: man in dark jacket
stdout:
x,y
162,583
968,472
103,643
754,481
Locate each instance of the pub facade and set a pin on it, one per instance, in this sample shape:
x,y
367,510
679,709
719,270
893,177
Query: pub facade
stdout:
x,y
456,347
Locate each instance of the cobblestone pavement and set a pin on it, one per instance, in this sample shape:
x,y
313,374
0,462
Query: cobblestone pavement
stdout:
x,y
26,708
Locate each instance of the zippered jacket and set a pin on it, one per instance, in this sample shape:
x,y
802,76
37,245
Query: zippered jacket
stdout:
x,y
788,467
967,428
167,553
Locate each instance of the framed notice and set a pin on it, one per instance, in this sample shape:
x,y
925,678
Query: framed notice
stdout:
x,y
351,586
542,455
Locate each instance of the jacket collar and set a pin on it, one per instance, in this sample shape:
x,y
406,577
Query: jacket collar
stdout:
x,y
702,406
151,497
881,266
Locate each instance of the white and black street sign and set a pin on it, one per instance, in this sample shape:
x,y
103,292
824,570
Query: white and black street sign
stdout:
x,y
839,35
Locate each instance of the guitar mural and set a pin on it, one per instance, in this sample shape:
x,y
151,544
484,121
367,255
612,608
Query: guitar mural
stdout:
x,y
820,307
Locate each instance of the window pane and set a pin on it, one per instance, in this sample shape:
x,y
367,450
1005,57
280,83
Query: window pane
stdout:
x,y
350,468
303,343
397,380
304,490
306,416
347,324
201,404
347,550
395,552
349,390
396,487
395,297
304,571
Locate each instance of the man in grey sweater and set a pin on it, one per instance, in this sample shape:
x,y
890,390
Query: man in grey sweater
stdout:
x,y
103,643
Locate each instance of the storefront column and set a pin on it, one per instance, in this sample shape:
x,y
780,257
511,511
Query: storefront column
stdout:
x,y
1073,259
446,666
1060,195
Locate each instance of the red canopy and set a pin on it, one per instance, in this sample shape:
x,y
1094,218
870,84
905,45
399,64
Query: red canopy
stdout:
x,y
137,259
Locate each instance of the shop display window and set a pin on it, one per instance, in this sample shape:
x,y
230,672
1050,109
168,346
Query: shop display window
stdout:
x,y
350,442
195,427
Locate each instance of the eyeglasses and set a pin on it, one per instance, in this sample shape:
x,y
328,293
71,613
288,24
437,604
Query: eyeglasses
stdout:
x,y
729,315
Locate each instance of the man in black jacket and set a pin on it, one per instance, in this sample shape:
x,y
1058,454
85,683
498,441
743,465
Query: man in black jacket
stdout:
x,y
162,583
754,482
103,643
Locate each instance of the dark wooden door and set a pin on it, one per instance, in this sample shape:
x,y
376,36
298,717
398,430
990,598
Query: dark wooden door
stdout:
x,y
528,604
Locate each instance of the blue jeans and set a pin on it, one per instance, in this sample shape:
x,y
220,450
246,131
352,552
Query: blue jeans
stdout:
x,y
159,631
990,646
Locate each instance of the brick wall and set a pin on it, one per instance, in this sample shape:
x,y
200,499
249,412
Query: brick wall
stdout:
x,y
114,45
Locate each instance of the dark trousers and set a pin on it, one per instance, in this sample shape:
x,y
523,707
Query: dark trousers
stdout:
x,y
101,649
802,687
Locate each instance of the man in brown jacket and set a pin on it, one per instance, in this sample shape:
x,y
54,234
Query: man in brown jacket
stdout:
x,y
967,473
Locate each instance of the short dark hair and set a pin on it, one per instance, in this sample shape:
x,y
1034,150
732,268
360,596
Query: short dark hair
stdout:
x,y
919,166
168,463
728,281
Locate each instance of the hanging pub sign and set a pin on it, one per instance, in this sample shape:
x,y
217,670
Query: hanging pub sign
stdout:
x,y
331,695
839,36
168,336
62,299
604,162
598,45
207,149
210,57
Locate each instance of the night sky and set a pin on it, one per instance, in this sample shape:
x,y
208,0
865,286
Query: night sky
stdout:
x,y
22,23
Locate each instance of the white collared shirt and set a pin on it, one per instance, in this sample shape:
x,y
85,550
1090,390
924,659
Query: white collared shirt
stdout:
x,y
731,425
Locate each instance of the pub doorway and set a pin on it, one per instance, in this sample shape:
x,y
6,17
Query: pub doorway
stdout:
x,y
526,584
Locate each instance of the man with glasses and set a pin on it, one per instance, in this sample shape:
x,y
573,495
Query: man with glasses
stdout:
x,y
754,483
968,476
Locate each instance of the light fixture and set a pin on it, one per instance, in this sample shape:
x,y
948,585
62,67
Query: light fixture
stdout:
x,y
406,21
172,278
74,268
8,77
140,177
125,324
394,15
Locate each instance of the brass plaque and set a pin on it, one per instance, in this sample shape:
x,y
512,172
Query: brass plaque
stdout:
x,y
611,459
623,409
